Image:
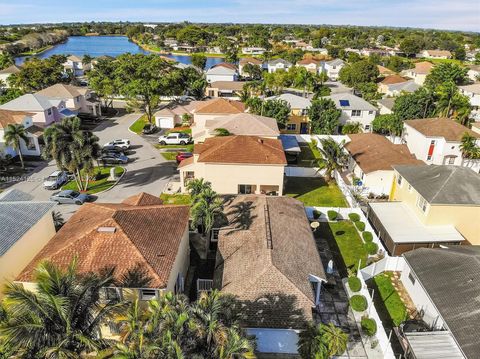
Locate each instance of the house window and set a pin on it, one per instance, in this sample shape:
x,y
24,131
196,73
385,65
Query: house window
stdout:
x,y
411,277
451,160
49,111
291,126
429,158
422,203
409,187
31,144
245,189
367,127
147,294
178,288
356,113
399,180
370,112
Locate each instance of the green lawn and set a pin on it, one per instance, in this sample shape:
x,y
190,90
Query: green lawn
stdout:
x,y
395,307
309,156
100,183
184,199
346,238
170,155
315,192
138,125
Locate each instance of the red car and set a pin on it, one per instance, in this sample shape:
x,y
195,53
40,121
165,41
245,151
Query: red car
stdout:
x,y
183,155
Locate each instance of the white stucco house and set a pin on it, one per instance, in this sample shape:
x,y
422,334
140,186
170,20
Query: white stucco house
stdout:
x,y
474,72
33,132
419,72
333,68
75,65
44,110
354,109
435,54
222,72
5,73
278,64
473,93
77,99
437,141
253,50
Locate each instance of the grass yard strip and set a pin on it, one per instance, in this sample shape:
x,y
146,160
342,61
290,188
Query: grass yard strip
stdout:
x,y
139,124
314,191
180,199
100,183
395,307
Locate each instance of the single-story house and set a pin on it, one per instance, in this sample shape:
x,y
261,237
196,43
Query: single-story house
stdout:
x,y
268,259
371,161
237,165
33,132
75,65
174,113
5,73
105,235
242,124
44,110
253,50
25,227
222,72
354,109
278,64
384,72
436,54
474,73
399,88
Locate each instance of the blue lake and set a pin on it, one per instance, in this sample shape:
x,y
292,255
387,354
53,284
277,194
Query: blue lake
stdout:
x,y
105,45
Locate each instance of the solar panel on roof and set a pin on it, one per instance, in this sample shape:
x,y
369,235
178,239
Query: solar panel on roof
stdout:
x,y
344,103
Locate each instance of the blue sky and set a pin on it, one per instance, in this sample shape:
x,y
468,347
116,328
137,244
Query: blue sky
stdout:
x,y
441,14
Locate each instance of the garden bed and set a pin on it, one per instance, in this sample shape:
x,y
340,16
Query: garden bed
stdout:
x,y
101,182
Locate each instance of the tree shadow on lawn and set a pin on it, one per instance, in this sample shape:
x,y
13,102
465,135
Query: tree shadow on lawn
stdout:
x,y
324,231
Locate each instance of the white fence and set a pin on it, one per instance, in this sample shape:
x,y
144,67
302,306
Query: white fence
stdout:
x,y
291,171
345,190
387,264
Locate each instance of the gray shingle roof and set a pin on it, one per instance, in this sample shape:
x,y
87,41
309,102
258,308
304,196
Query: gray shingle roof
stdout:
x,y
279,61
451,277
14,195
443,184
387,102
17,217
335,62
30,102
294,101
354,102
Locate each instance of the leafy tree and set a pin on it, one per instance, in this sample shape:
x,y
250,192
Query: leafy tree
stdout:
x,y
9,94
194,83
254,71
102,80
334,156
221,132
411,46
196,186
446,72
469,147
6,60
358,73
369,91
451,103
37,74
477,58
324,116
351,128
460,53
13,136
321,341
277,109
199,60
388,125
419,104
62,317
397,63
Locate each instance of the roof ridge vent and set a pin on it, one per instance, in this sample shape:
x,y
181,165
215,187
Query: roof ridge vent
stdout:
x,y
106,229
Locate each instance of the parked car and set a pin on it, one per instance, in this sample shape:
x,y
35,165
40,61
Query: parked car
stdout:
x,y
55,180
69,197
148,129
175,138
183,155
123,143
113,158
112,148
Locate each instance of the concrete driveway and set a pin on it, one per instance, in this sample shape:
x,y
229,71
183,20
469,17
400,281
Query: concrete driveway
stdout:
x,y
147,172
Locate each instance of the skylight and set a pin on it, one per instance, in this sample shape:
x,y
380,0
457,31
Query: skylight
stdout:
x,y
344,103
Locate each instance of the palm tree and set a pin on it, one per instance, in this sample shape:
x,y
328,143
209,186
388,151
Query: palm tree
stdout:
x,y
321,341
13,136
351,128
469,147
62,317
334,156
207,208
197,186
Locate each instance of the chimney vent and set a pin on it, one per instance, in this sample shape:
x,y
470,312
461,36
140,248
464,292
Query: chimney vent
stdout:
x,y
106,229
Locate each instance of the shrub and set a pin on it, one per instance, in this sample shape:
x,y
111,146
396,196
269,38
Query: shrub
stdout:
x,y
354,217
354,284
358,303
332,215
367,236
360,225
316,214
369,326
371,248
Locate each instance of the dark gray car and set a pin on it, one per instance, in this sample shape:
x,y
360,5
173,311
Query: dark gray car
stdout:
x,y
69,197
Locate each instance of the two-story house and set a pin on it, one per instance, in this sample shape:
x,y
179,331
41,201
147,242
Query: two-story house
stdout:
x,y
311,65
278,64
237,165
397,89
354,109
419,72
74,64
31,147
430,206
222,72
248,60
333,68
44,110
298,122
473,93
390,80
438,141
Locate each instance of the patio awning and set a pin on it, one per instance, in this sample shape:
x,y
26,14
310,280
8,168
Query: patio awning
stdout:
x,y
433,345
290,144
403,226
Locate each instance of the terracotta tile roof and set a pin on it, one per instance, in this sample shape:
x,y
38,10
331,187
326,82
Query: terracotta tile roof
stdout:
x,y
186,162
374,152
143,199
265,256
144,234
441,127
423,67
308,62
241,149
246,124
385,71
221,106
393,79
228,85
8,117
250,60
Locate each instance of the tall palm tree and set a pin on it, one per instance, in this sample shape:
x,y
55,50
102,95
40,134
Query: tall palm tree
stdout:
x,y
321,341
206,209
62,317
13,136
197,186
334,156
469,147
352,127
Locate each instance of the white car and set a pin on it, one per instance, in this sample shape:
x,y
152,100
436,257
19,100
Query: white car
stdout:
x,y
55,180
121,143
175,138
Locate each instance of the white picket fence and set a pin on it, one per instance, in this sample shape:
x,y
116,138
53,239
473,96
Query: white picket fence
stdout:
x,y
387,264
